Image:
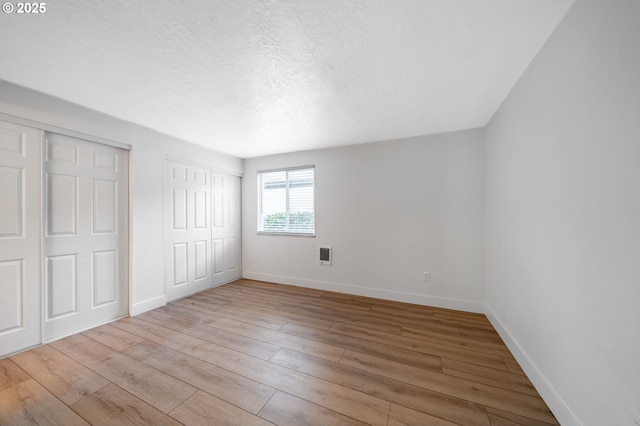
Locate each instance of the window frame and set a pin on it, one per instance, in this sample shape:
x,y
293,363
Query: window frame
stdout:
x,y
259,198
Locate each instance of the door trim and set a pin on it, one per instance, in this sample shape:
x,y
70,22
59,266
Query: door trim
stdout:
x,y
203,166
62,131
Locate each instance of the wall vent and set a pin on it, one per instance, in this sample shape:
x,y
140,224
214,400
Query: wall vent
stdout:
x,y
325,255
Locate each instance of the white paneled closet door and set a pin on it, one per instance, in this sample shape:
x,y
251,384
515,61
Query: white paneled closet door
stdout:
x,y
226,233
86,235
20,237
188,217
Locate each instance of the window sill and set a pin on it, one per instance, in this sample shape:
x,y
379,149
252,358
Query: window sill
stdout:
x,y
287,234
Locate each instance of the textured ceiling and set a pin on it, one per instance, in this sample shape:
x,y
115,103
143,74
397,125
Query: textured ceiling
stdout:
x,y
256,77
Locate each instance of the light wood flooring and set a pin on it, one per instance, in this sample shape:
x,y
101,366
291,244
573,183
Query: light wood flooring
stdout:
x,y
253,353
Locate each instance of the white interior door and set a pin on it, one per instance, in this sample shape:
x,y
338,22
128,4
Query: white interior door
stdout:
x,y
86,235
20,237
226,234
188,217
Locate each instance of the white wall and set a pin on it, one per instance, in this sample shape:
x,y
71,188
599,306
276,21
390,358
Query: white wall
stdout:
x,y
391,211
563,216
148,152
560,165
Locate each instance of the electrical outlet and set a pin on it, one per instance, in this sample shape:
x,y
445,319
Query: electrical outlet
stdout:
x,y
426,277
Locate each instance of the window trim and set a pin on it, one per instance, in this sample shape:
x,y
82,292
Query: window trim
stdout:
x,y
259,195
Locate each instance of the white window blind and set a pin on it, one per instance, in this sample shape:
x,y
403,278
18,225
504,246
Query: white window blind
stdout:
x,y
286,201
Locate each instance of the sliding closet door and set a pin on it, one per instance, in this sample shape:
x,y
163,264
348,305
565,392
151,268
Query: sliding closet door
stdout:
x,y
188,217
20,237
86,235
226,234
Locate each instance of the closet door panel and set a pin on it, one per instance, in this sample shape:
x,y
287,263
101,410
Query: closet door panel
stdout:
x,y
226,230
86,235
188,230
20,237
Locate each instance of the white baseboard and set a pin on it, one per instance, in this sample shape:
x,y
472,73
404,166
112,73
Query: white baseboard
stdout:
x,y
563,413
157,302
398,296
147,305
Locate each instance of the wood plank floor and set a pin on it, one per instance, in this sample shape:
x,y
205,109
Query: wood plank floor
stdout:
x,y
253,353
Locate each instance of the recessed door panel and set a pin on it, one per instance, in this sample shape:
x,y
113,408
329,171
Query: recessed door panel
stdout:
x,y
234,210
180,264
178,173
200,209
218,256
180,209
12,142
200,177
63,151
61,285
105,206
105,277
218,210
12,288
217,182
62,202
232,251
12,202
201,260
105,160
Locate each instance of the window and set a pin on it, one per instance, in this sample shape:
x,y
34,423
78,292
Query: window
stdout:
x,y
286,201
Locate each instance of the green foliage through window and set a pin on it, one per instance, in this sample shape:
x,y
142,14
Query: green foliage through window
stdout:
x,y
277,222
